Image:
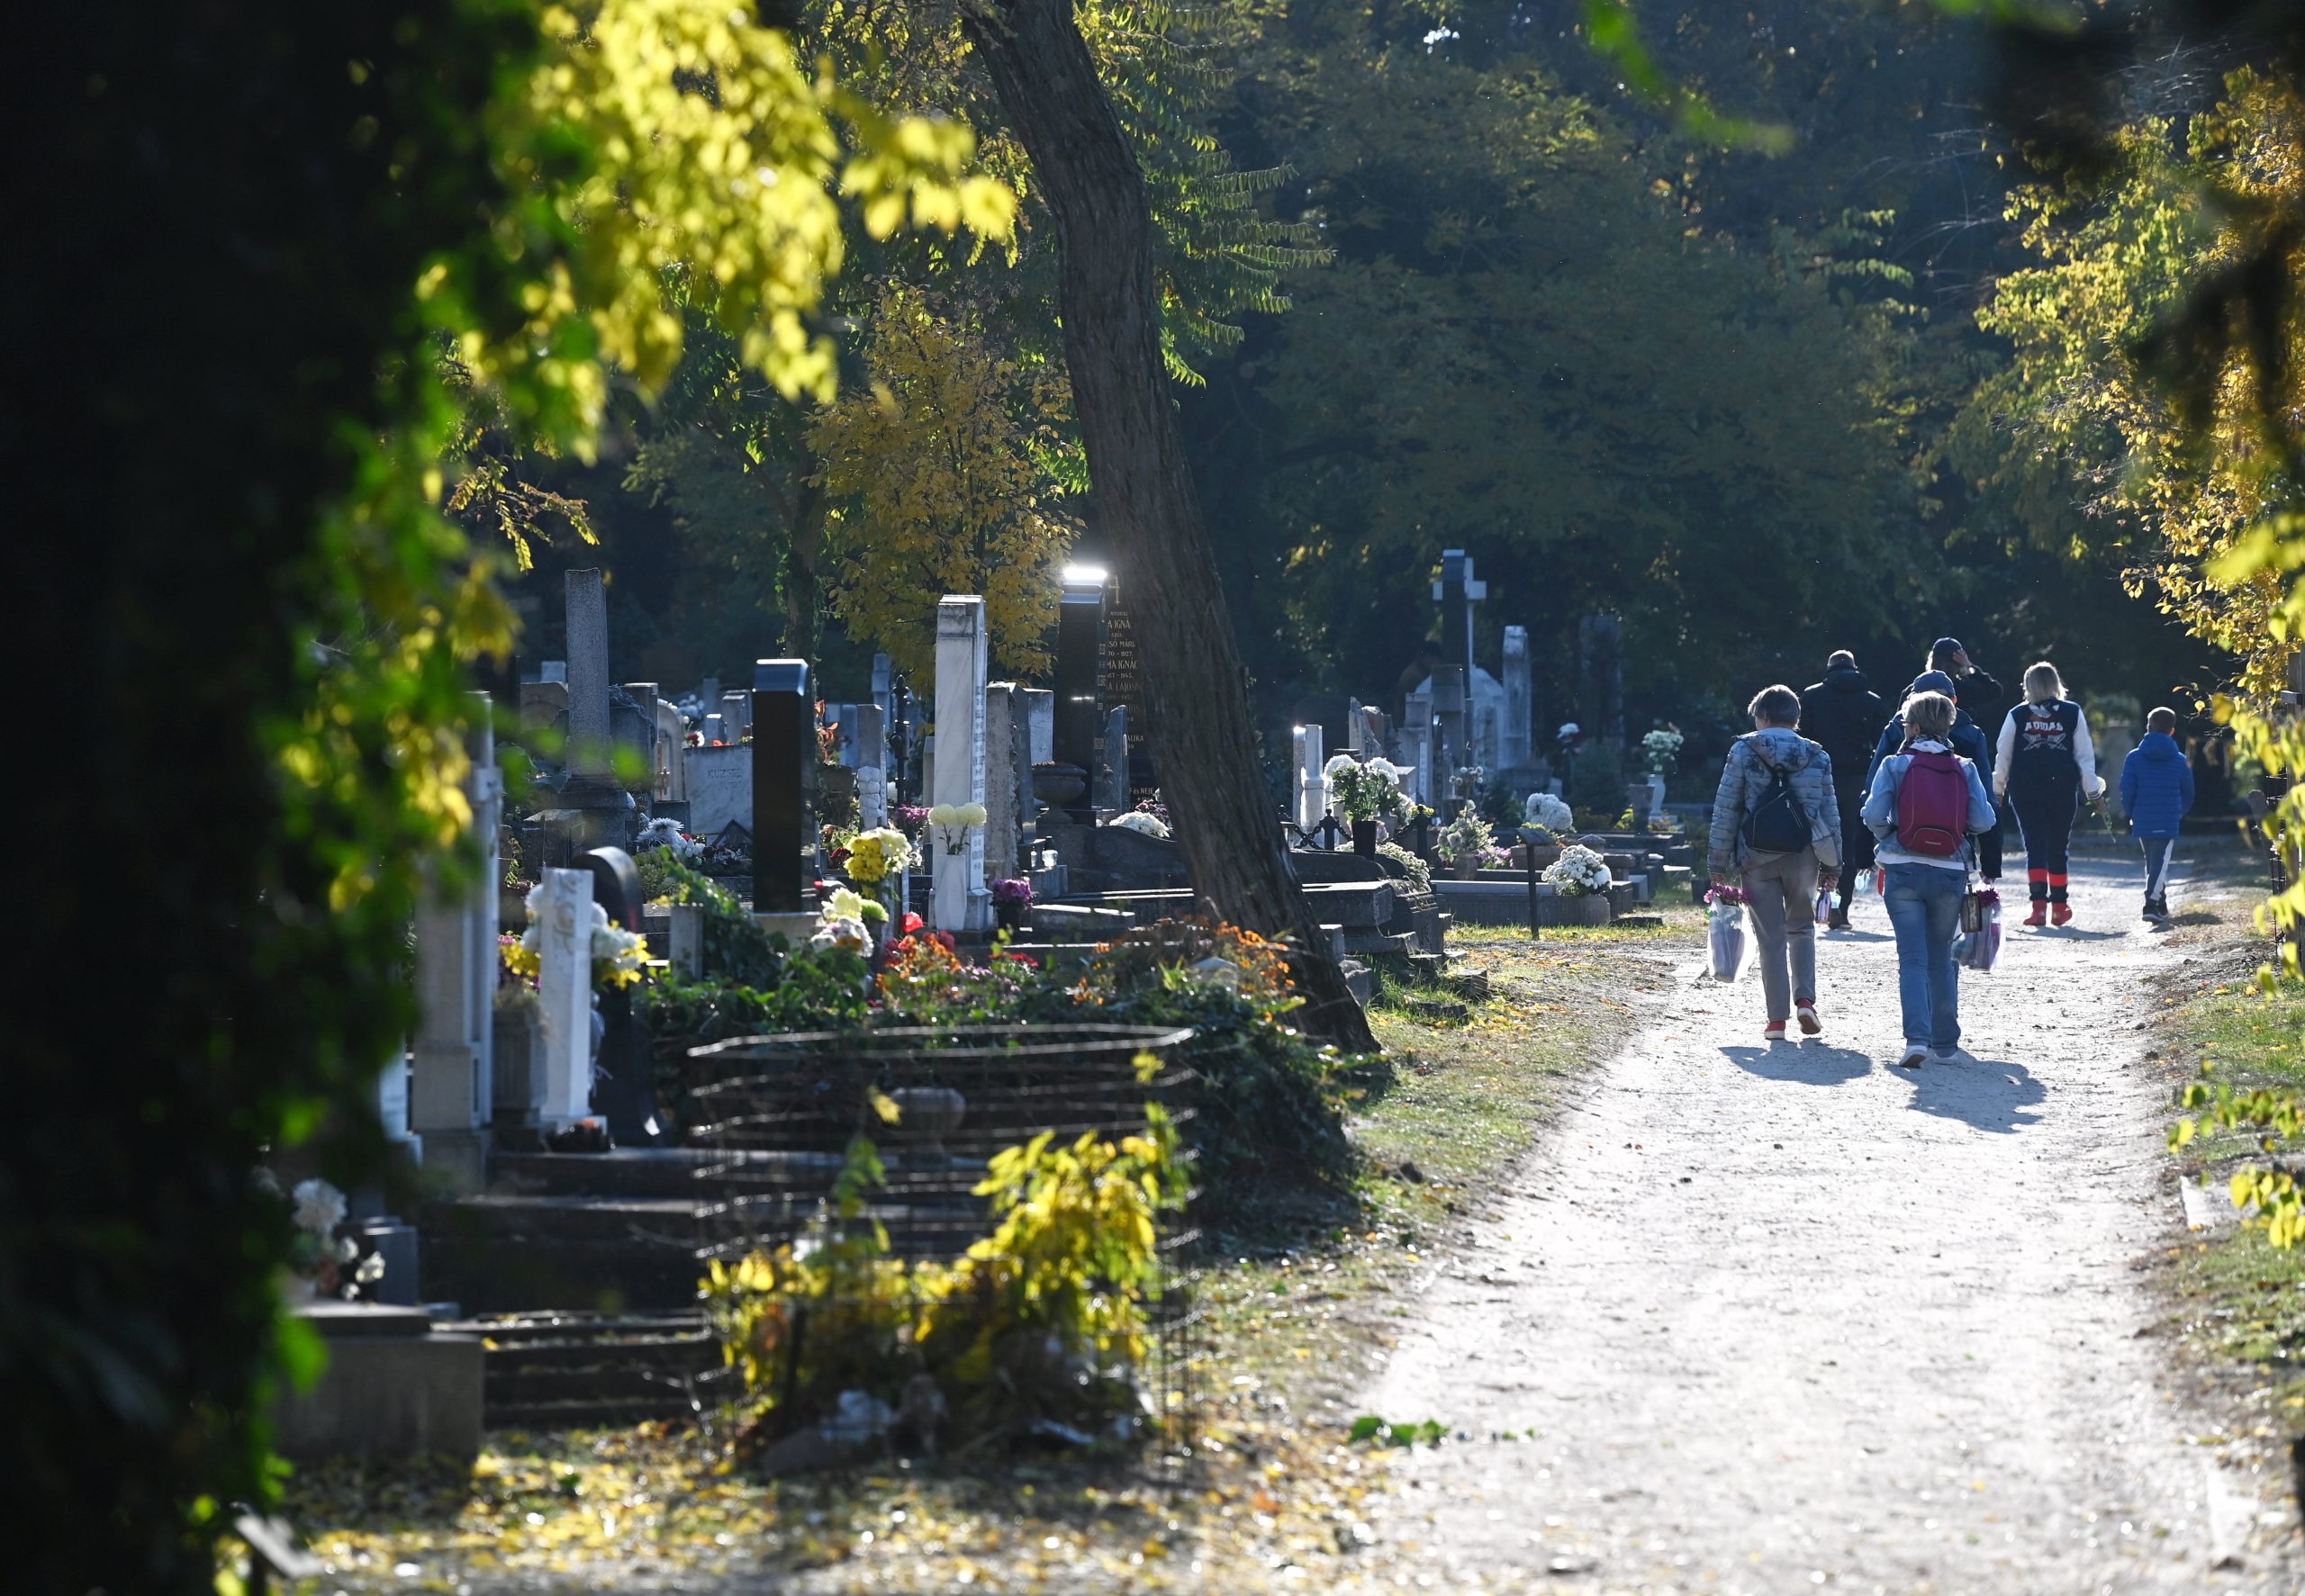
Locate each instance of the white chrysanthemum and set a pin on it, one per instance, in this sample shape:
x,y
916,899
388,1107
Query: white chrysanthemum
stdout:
x,y
1143,825
1546,810
320,1207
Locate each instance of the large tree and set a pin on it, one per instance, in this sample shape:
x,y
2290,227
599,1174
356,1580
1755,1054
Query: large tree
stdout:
x,y
1199,718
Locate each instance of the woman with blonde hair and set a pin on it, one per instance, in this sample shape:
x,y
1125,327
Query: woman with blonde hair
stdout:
x,y
2044,766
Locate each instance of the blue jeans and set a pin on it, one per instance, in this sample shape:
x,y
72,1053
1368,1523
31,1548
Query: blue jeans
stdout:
x,y
1924,906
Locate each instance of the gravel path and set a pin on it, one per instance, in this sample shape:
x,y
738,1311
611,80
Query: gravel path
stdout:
x,y
1778,1319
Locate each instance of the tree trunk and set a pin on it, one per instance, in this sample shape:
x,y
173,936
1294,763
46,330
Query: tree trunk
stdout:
x,y
1202,736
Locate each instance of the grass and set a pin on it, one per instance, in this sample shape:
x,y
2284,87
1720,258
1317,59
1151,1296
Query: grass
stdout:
x,y
1275,1484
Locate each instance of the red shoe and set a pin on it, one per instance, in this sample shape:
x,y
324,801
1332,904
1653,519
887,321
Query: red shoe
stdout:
x,y
2060,913
2040,915
1810,1024
1773,1032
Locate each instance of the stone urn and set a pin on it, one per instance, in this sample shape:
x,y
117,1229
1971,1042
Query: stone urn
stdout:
x,y
1058,785
925,1116
1466,868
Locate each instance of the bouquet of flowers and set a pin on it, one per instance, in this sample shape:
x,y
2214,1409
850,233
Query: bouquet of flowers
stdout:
x,y
1143,824
1661,750
954,821
667,833
1578,872
1467,837
841,921
1013,889
1365,790
909,817
318,1254
876,855
1546,810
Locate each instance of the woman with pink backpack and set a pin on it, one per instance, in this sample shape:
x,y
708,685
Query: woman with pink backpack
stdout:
x,y
1926,805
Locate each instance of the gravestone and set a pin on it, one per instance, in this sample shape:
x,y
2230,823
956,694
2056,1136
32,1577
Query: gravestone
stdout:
x,y
714,730
961,902
1311,787
544,707
1515,735
451,1088
624,1081
589,755
1004,801
1111,787
555,671
1416,745
1451,727
1600,652
671,743
783,782
735,716
564,994
632,723
872,766
719,786
1356,731
1040,724
1079,649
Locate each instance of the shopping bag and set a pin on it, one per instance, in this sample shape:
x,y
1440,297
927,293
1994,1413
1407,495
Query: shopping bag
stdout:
x,y
1726,941
1824,905
1984,943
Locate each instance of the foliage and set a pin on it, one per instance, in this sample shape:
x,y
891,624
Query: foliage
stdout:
x,y
736,948
2157,360
934,463
1043,1318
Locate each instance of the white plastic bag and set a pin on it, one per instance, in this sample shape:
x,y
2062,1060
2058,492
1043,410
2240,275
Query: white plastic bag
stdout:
x,y
1824,905
1726,941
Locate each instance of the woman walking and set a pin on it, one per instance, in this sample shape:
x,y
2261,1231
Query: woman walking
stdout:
x,y
1776,825
1927,803
2044,766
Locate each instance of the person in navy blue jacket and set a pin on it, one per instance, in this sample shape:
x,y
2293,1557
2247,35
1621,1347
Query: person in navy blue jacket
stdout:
x,y
1967,740
2157,792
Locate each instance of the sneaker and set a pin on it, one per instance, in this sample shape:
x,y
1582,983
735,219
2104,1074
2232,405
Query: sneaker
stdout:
x,y
2040,915
2061,914
1838,922
2152,910
1773,1032
1951,1055
1915,1057
1810,1024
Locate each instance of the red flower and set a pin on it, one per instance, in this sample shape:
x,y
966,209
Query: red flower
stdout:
x,y
912,922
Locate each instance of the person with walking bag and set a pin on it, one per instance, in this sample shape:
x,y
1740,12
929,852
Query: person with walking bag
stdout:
x,y
1777,828
1841,714
1926,803
2044,766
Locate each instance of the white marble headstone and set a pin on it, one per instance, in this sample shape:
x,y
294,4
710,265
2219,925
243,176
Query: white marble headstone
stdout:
x,y
962,901
564,990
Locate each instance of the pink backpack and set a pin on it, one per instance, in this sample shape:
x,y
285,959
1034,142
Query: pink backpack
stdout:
x,y
1933,806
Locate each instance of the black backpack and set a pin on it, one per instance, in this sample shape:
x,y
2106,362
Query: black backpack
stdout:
x,y
1778,824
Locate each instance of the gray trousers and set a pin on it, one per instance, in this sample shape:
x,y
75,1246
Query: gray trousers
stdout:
x,y
1781,890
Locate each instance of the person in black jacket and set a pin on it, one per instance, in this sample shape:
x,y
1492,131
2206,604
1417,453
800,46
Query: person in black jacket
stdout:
x,y
1841,714
1968,741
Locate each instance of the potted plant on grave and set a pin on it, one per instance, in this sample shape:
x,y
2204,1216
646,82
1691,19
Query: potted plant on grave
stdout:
x,y
1661,750
876,860
1466,842
1362,793
1011,896
1580,880
952,823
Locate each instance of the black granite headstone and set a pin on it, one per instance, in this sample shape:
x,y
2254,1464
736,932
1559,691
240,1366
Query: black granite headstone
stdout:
x,y
1079,652
624,1083
784,777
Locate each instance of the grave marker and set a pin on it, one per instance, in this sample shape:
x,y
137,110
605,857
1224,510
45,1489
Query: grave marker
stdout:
x,y
871,765
1079,648
1003,800
783,780
451,1089
1112,789
1517,737
564,994
962,901
1312,788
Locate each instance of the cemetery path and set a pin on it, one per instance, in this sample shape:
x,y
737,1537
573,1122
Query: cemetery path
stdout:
x,y
1769,1318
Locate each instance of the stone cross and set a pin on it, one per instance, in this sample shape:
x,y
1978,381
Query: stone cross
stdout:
x,y
962,901
1516,746
872,743
564,994
1312,790
784,786
452,1088
1456,592
1003,800
589,754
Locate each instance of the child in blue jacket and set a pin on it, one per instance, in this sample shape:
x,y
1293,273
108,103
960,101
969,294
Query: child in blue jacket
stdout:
x,y
2157,792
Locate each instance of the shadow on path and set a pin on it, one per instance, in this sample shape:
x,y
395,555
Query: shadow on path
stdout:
x,y
1810,1064
1991,1094
2063,933
1855,936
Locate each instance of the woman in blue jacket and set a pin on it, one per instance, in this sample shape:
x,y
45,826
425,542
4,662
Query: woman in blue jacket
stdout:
x,y
2157,792
1967,739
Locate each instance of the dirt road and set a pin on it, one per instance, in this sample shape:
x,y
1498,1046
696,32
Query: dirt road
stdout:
x,y
1769,1319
